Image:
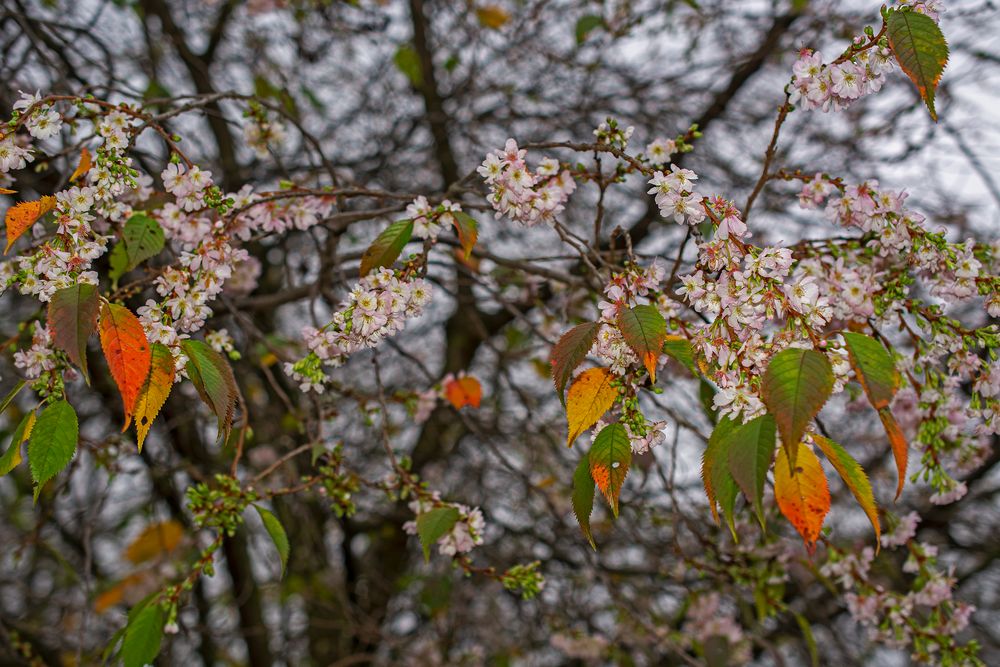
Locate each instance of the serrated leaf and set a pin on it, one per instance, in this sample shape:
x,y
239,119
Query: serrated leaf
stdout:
x,y
610,458
679,348
386,247
72,318
213,378
644,330
463,391
21,217
154,392
155,540
142,238
720,487
12,457
435,524
467,229
277,533
83,166
143,636
751,450
921,51
583,498
795,386
127,351
52,443
874,368
569,352
900,449
585,25
590,396
802,493
854,478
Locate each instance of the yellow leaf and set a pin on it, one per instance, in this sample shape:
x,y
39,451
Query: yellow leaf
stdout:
x,y
21,217
802,494
83,166
589,397
156,539
492,16
154,391
7,191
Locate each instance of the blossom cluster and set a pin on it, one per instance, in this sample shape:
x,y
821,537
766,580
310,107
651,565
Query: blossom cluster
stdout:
x,y
837,85
377,307
466,534
526,196
675,195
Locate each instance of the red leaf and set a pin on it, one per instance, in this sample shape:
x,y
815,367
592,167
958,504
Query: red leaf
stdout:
x,y
463,391
127,351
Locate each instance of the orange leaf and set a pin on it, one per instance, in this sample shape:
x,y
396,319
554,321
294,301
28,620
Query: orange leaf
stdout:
x,y
83,166
154,392
899,446
127,351
463,391
7,191
589,397
802,494
156,539
21,217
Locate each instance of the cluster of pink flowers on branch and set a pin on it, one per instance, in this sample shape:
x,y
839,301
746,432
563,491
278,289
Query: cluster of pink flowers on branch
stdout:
x,y
526,196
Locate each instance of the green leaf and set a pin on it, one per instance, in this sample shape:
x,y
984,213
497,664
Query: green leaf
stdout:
x,y
569,352
645,330
854,478
143,635
72,318
583,498
751,450
874,368
277,533
921,51
706,395
467,229
11,395
720,487
213,378
587,24
12,457
53,442
435,524
609,459
118,259
807,634
408,62
386,247
796,385
142,238
679,348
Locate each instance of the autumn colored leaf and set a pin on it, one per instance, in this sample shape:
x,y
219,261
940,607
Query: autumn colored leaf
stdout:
x,y
751,450
154,391
854,478
802,493
644,330
569,352
12,457
7,191
52,443
609,459
920,49
72,318
720,487
127,351
132,585
900,449
213,378
387,246
157,539
435,524
21,217
874,368
583,498
83,166
492,16
590,396
463,391
795,386
467,229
